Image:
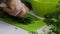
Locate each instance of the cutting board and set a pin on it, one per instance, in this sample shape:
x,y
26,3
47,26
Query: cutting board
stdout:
x,y
32,27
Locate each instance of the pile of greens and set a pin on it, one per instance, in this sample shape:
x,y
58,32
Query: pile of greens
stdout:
x,y
53,20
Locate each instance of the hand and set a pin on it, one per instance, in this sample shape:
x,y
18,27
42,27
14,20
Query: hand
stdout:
x,y
17,5
23,10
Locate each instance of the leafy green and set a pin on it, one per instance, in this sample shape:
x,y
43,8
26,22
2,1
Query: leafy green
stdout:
x,y
54,20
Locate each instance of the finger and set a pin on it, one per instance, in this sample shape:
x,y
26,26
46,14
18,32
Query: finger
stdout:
x,y
20,14
25,9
